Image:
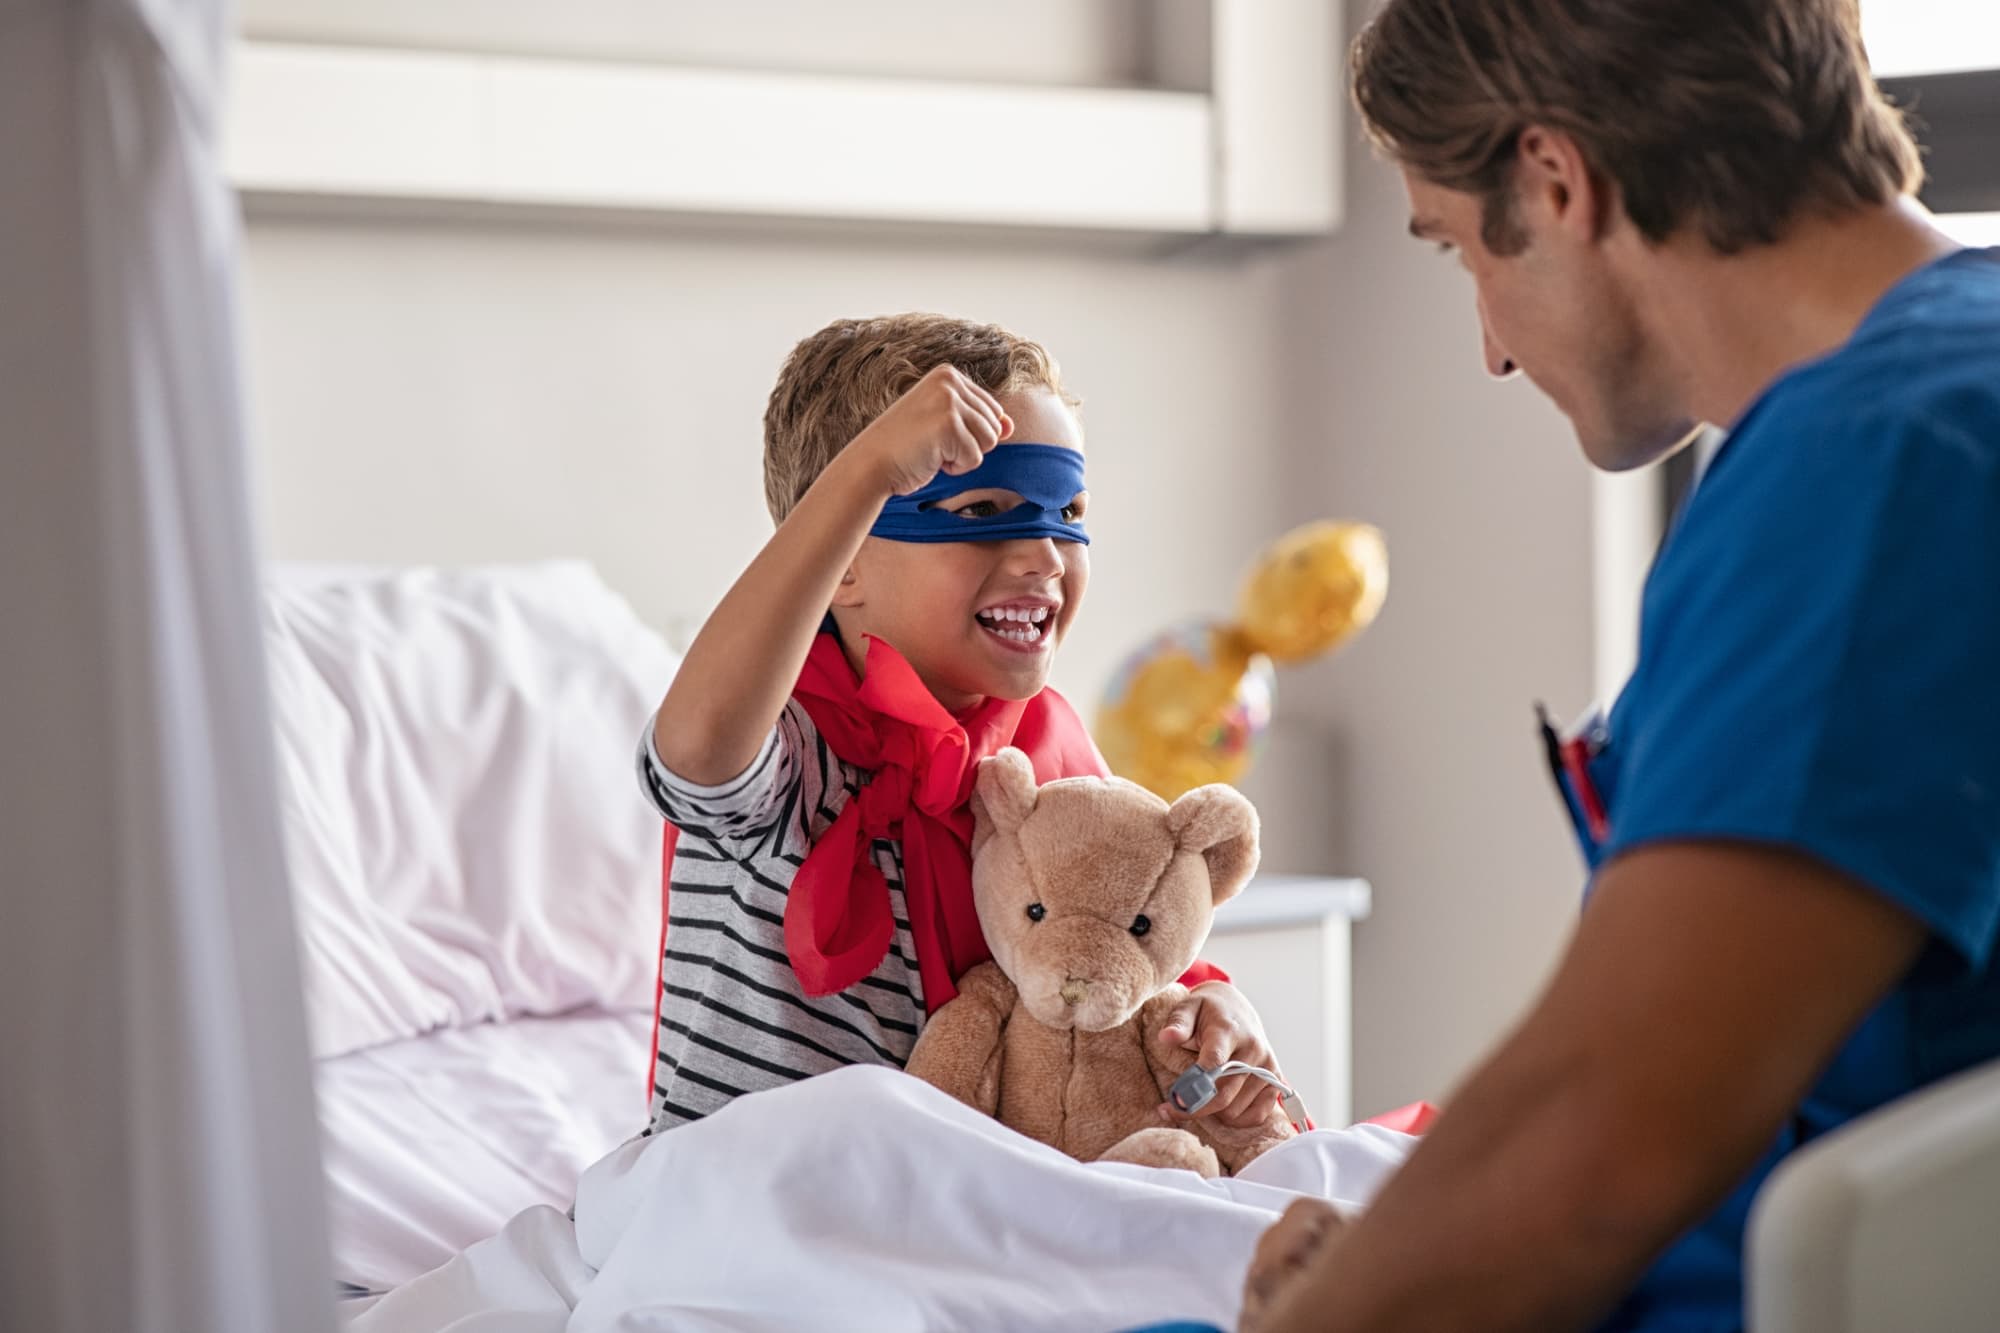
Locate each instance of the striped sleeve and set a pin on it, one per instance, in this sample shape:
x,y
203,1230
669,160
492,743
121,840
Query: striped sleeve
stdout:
x,y
748,804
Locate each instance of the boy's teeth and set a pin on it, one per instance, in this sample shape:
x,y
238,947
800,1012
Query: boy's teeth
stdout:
x,y
1015,625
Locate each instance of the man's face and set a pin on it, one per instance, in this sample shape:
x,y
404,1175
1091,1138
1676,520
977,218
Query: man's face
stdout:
x,y
1559,311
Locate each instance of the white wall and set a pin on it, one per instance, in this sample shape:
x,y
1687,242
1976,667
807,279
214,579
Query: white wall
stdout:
x,y
425,392
1442,797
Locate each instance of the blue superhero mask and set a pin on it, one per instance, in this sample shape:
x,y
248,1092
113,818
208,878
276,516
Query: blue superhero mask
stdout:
x,y
1047,477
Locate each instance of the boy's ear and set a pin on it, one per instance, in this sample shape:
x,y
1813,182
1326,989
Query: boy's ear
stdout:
x,y
1218,823
849,591
1003,797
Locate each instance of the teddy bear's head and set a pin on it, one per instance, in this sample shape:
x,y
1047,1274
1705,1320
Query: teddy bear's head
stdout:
x,y
1096,894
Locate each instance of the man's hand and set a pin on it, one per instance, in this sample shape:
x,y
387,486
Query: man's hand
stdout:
x,y
1285,1252
1216,1022
1707,986
945,423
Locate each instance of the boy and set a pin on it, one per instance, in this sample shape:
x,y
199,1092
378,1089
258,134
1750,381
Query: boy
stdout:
x,y
817,748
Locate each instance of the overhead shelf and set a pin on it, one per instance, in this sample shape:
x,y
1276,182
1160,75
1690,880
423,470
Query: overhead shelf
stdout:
x,y
1255,154
421,125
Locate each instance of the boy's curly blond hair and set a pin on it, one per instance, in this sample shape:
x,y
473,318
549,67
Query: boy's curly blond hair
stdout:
x,y
843,377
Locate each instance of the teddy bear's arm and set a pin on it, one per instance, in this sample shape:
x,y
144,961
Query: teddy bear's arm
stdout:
x,y
959,1048
1167,1062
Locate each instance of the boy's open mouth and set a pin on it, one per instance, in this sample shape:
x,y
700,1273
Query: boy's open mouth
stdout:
x,y
1024,625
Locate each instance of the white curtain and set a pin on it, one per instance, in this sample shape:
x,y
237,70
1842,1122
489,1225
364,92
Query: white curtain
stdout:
x,y
158,1167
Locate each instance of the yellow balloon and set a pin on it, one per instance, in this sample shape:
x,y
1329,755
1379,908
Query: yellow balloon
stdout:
x,y
1313,589
1189,708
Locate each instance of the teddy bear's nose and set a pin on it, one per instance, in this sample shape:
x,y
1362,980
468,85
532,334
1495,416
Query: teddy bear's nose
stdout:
x,y
1073,990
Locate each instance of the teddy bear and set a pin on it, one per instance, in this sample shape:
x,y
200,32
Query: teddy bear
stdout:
x,y
1095,895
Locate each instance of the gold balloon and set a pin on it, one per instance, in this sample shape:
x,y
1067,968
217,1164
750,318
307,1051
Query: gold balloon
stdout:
x,y
1193,705
1313,589
1189,708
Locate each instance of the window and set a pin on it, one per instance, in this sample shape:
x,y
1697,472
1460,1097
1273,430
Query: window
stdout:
x,y
1973,228
1940,59
1911,37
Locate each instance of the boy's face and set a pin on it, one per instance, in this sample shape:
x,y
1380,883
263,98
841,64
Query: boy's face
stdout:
x,y
939,604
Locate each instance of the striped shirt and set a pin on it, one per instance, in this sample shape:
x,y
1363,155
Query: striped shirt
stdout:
x,y
733,1018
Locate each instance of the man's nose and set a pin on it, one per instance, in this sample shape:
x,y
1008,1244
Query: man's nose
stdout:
x,y
1498,364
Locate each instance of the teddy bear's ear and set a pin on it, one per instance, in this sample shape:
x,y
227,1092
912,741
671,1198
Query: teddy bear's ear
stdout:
x,y
1220,823
1003,797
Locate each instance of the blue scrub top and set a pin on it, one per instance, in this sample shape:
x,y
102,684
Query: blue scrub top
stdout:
x,y
1819,669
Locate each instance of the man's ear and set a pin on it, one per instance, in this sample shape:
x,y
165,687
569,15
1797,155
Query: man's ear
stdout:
x,y
1552,174
1003,797
1219,824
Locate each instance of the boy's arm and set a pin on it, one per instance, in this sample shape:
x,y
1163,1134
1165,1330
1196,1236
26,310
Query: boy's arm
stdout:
x,y
741,668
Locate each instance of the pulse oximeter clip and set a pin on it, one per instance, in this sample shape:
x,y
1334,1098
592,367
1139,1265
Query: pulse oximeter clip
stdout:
x,y
1196,1089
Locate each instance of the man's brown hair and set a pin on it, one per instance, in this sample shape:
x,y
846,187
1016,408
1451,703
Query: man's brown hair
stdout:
x,y
843,377
1734,116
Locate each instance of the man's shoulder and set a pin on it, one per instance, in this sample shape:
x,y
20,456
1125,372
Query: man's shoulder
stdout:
x,y
1876,467
1863,437
1925,367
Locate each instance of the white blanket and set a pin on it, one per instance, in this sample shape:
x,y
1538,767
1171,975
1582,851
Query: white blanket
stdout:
x,y
867,1200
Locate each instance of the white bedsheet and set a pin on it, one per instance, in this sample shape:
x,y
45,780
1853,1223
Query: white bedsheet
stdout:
x,y
432,1144
867,1200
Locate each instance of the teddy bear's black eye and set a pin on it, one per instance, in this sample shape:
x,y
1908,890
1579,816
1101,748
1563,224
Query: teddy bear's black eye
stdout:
x,y
1036,911
1140,925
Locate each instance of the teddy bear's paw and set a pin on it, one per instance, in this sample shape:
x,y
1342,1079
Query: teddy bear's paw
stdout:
x,y
1161,1145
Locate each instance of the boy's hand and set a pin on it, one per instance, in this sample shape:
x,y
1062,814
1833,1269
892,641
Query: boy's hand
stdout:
x,y
1216,1022
946,423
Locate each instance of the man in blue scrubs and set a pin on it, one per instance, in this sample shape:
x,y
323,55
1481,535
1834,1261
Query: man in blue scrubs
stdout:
x,y
1676,213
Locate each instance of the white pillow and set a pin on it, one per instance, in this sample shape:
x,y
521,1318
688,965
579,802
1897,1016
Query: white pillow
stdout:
x,y
466,836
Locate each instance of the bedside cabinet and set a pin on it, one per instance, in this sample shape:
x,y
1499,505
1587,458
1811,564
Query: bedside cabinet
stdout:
x,y
1286,943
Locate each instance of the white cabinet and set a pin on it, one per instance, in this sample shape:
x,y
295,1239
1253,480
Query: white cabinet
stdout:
x,y
1285,942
